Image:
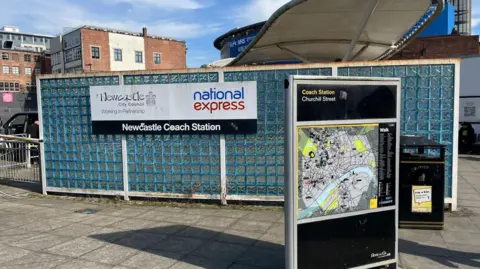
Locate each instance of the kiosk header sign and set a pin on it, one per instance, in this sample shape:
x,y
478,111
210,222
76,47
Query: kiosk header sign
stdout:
x,y
341,143
197,108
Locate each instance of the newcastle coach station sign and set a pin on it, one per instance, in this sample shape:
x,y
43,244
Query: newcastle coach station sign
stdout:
x,y
199,108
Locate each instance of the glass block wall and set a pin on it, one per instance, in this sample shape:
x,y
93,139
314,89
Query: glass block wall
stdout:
x,y
176,164
427,102
255,163
74,158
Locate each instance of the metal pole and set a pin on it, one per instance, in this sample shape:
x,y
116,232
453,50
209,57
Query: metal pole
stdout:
x,y
361,28
289,178
223,159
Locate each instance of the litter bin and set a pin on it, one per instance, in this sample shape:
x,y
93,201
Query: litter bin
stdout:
x,y
422,183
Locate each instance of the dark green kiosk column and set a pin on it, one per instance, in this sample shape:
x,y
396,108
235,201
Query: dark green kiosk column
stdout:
x,y
422,183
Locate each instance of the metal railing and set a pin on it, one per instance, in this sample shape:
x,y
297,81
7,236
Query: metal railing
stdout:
x,y
19,159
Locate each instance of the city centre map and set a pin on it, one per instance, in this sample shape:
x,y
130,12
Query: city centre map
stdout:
x,y
337,170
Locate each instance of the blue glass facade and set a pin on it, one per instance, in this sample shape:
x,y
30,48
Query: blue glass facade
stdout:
x,y
189,165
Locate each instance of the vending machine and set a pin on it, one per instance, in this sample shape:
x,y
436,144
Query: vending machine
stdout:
x,y
342,152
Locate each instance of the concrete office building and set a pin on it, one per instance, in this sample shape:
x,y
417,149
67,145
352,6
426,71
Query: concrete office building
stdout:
x,y
92,49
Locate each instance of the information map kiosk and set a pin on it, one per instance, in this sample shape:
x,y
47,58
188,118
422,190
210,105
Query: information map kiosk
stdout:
x,y
342,150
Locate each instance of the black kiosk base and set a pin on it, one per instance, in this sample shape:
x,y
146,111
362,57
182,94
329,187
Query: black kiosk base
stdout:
x,y
347,242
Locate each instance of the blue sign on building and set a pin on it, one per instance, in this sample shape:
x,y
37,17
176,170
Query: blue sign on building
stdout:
x,y
239,44
443,25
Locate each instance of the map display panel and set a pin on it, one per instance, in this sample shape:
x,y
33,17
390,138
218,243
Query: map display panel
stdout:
x,y
338,169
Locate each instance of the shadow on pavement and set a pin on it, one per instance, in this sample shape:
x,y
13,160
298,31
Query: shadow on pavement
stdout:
x,y
200,247
446,257
28,186
470,158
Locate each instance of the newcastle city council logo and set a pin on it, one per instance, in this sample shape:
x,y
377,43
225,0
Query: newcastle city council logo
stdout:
x,y
151,99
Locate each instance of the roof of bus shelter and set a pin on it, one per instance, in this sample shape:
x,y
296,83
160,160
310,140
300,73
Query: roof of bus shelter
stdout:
x,y
340,30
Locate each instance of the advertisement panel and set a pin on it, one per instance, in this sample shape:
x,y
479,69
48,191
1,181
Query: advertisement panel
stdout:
x,y
200,108
342,142
468,109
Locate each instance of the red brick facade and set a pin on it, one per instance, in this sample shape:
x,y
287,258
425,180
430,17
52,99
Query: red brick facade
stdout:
x,y
92,38
449,46
26,63
173,54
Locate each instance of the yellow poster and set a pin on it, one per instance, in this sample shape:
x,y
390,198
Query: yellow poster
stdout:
x,y
422,199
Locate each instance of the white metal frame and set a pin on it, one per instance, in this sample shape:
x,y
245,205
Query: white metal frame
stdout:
x,y
291,161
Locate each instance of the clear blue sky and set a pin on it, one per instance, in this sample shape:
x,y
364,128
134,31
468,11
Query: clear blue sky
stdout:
x,y
198,22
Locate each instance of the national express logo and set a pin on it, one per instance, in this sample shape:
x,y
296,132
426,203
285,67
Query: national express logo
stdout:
x,y
219,100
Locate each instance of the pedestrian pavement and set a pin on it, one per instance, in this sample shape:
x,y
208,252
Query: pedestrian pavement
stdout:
x,y
52,232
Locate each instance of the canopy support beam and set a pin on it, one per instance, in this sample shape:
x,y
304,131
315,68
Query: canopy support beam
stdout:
x,y
370,10
294,54
360,52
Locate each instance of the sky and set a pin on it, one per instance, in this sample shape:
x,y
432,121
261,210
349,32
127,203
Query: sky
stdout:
x,y
198,22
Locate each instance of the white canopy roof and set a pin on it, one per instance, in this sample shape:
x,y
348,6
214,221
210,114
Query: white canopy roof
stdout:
x,y
334,30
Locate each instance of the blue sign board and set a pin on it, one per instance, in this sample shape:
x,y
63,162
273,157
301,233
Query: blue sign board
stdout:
x,y
443,25
239,44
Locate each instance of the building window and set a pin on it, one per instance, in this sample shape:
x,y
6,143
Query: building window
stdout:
x,y
31,87
27,57
34,39
95,53
37,71
117,54
16,70
36,58
73,54
28,70
5,56
157,58
6,69
138,57
18,37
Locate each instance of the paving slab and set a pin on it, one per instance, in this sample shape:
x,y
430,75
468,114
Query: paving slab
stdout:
x,y
263,257
139,240
8,253
75,230
166,228
40,242
110,254
200,232
215,221
82,264
196,262
102,220
220,251
178,244
266,216
45,225
252,226
462,238
238,237
153,259
34,260
461,224
76,248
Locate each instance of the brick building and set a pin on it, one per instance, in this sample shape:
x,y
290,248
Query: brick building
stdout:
x,y
22,57
436,47
91,49
19,69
